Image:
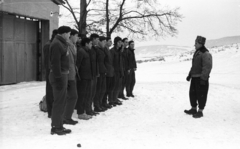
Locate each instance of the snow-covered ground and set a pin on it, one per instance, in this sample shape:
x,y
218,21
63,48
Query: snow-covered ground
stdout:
x,y
154,119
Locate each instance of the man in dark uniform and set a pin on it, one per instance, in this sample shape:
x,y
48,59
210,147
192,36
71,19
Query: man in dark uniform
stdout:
x,y
199,76
125,68
49,92
118,71
85,79
101,80
109,75
59,70
72,88
131,80
95,71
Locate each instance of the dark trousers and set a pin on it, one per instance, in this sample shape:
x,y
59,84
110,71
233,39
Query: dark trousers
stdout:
x,y
101,89
109,88
72,97
116,88
84,95
131,80
49,94
92,93
198,93
60,98
123,84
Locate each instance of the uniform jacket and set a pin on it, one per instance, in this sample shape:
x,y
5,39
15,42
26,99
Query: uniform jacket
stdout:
x,y
72,61
117,61
109,63
101,58
59,56
46,57
201,64
94,63
125,59
132,59
84,63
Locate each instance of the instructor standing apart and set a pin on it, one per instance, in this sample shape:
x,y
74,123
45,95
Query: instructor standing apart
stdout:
x,y
199,76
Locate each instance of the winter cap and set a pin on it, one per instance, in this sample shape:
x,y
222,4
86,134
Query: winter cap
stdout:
x,y
73,32
201,40
94,36
101,38
64,29
116,39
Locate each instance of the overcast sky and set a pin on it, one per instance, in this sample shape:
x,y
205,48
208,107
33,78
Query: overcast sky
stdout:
x,y
210,18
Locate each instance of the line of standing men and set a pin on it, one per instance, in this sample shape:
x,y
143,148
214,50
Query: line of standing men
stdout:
x,y
86,75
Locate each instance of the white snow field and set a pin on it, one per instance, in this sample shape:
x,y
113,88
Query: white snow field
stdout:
x,y
154,119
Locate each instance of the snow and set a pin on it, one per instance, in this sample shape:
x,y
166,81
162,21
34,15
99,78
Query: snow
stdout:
x,y
153,119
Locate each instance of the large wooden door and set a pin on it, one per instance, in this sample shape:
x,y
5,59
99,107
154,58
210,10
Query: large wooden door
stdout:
x,y
1,45
44,38
19,46
8,53
19,52
31,51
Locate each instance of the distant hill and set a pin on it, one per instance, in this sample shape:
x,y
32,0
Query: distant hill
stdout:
x,y
222,41
145,52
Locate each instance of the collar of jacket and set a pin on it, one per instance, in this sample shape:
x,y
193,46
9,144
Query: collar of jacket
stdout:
x,y
115,48
71,43
131,49
95,47
72,47
86,49
203,49
60,38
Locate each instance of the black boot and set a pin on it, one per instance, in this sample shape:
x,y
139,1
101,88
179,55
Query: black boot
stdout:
x,y
118,102
130,95
124,98
191,111
58,131
199,114
98,109
113,104
105,105
66,130
70,122
103,108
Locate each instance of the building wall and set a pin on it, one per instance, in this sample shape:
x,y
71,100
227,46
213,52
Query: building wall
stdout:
x,y
39,9
15,15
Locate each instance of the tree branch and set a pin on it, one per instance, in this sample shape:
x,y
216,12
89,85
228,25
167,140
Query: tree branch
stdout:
x,y
70,10
119,19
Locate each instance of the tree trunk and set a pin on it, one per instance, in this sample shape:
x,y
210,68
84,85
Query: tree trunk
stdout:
x,y
83,18
108,20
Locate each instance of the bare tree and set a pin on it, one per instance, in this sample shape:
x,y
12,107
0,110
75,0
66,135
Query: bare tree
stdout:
x,y
141,19
80,22
138,18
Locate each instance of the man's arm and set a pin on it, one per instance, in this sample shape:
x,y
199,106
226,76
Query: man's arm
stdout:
x,y
206,65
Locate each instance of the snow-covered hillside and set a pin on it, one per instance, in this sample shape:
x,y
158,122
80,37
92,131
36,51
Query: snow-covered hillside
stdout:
x,y
154,119
158,51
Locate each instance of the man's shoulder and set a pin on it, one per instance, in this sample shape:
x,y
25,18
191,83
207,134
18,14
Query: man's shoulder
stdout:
x,y
47,43
204,50
81,50
55,42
